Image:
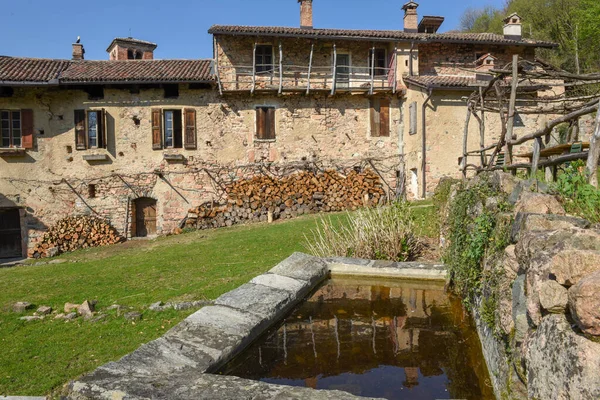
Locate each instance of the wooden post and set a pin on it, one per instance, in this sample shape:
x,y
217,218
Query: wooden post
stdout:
x,y
216,51
334,79
372,70
253,69
466,143
537,147
310,61
482,130
395,84
511,109
280,68
594,154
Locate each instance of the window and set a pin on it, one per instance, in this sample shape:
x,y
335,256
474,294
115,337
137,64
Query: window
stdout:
x,y
11,128
171,127
380,62
412,130
264,59
265,123
92,191
16,129
134,55
380,117
90,129
171,91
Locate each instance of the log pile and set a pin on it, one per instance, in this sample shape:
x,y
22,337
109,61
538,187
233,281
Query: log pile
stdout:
x,y
263,197
74,233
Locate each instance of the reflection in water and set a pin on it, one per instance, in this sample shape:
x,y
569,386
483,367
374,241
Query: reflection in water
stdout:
x,y
392,339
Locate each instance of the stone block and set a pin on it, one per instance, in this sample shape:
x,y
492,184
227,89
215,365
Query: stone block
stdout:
x,y
570,266
553,297
530,222
261,300
584,303
228,320
303,267
531,202
281,283
22,306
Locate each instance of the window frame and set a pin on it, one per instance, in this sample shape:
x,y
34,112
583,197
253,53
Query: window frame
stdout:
x,y
264,68
379,71
174,112
11,129
101,130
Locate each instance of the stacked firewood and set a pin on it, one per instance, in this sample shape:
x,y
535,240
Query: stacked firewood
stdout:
x,y
74,233
264,197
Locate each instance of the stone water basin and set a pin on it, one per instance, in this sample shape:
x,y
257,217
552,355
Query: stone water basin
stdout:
x,y
393,339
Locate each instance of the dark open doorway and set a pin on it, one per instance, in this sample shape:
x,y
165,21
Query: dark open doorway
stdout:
x,y
10,233
143,221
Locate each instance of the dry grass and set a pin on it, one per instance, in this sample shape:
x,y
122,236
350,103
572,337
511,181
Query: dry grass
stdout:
x,y
382,233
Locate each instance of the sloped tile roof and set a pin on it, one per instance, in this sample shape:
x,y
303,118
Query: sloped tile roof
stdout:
x,y
132,41
30,70
353,34
138,71
432,81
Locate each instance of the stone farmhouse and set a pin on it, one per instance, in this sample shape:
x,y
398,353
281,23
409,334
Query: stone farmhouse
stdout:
x,y
139,141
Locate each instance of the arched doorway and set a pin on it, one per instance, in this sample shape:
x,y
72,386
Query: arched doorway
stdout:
x,y
143,221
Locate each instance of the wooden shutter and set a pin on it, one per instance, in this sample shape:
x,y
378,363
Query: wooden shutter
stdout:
x,y
260,123
156,129
270,125
413,119
27,129
190,128
103,129
80,131
384,117
375,118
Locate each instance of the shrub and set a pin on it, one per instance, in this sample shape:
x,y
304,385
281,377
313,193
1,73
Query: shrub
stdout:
x,y
577,195
381,233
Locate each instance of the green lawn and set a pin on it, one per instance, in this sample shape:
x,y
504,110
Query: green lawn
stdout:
x,y
39,357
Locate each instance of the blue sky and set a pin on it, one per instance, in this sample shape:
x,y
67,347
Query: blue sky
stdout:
x,y
46,29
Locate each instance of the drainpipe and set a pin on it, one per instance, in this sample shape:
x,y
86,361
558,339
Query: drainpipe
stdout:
x,y
424,144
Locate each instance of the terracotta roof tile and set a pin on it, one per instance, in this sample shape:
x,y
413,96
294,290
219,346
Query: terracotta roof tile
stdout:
x,y
30,70
352,34
138,71
432,81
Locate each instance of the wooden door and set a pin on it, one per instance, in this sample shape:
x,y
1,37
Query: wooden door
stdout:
x,y
10,233
144,211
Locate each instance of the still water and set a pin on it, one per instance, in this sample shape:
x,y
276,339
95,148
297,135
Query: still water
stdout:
x,y
390,339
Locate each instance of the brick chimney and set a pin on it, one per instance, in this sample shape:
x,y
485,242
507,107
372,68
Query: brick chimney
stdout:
x,y
513,28
131,49
411,19
78,50
306,14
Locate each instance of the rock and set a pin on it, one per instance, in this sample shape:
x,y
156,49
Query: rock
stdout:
x,y
519,309
553,297
529,222
57,262
98,318
133,316
71,316
44,310
22,306
302,267
538,203
510,262
584,304
188,305
52,252
158,306
115,307
86,309
529,185
570,266
560,363
70,307
32,318
60,316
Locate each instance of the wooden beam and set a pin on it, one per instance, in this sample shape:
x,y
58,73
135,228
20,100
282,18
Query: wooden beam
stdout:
x,y
334,79
216,51
594,153
395,84
465,143
280,68
511,110
482,129
310,62
372,70
253,69
537,148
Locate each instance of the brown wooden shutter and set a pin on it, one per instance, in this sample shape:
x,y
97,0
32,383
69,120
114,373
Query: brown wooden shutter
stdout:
x,y
156,129
103,128
190,128
260,123
270,125
80,134
375,118
384,117
27,129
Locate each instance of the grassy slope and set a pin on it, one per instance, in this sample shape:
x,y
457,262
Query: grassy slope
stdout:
x,y
38,357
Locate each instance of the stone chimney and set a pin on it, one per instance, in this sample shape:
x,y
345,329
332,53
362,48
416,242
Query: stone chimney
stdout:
x,y
306,14
78,51
411,19
513,29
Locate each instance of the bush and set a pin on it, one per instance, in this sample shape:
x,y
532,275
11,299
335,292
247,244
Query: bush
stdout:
x,y
577,195
381,233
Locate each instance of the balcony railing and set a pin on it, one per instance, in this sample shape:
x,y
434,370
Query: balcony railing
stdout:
x,y
306,78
